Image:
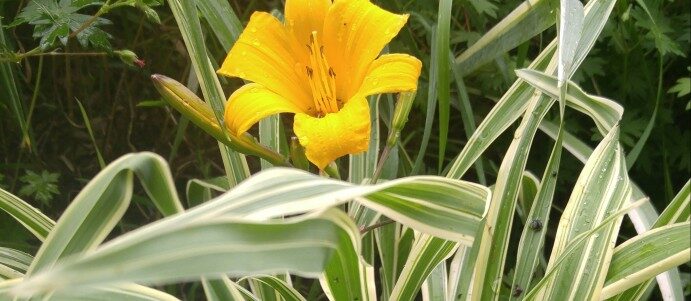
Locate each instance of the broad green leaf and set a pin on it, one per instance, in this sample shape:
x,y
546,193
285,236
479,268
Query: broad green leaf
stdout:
x,y
55,21
601,190
646,255
526,21
99,206
31,218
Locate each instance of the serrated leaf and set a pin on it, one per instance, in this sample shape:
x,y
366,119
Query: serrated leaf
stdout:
x,y
55,21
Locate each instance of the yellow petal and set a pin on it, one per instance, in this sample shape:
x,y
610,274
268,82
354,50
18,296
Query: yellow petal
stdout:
x,y
251,103
263,54
334,135
355,32
304,16
392,73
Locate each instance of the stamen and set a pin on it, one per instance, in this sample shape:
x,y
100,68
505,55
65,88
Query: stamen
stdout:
x,y
322,79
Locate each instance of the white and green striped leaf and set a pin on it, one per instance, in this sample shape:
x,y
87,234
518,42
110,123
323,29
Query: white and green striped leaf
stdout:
x,y
281,287
193,248
99,206
348,276
31,218
601,190
646,255
527,20
427,252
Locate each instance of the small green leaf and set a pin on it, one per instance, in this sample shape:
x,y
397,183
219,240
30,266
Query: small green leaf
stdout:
x,y
43,187
682,87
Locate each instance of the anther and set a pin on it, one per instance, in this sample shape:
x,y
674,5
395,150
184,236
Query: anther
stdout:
x,y
332,73
309,47
309,71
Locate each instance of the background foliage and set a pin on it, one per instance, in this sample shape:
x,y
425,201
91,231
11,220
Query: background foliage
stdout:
x,y
85,98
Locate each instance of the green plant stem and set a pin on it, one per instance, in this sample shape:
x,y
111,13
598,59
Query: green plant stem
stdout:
x,y
377,225
104,9
380,164
34,96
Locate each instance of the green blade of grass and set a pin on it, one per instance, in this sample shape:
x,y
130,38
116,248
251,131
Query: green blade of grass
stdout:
x,y
222,20
443,65
10,93
87,124
468,117
431,107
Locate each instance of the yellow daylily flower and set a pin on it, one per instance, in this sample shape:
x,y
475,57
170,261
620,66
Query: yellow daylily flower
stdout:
x,y
320,64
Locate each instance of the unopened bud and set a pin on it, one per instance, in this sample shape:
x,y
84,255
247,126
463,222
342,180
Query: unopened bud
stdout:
x,y
201,114
130,58
400,116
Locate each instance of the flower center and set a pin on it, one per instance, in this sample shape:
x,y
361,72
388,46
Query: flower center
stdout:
x,y
322,79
